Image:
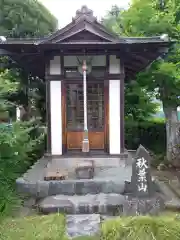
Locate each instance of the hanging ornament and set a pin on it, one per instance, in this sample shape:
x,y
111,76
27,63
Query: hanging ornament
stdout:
x,y
84,64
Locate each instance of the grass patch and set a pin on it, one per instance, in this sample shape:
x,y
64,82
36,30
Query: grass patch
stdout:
x,y
52,227
142,228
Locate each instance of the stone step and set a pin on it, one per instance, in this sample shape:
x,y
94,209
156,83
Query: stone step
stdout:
x,y
42,189
101,203
88,204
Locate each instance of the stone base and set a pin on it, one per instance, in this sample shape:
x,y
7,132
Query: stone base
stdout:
x,y
136,206
85,146
85,170
110,204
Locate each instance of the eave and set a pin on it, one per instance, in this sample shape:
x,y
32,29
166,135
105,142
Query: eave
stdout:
x,y
85,36
136,53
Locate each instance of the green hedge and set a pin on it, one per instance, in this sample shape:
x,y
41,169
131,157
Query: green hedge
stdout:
x,y
151,135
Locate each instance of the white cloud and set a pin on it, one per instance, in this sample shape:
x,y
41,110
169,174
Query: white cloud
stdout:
x,y
64,10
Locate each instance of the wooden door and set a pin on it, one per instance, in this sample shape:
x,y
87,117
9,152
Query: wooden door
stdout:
x,y
75,115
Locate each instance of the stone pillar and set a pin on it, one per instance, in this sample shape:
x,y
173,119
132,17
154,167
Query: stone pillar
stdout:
x,y
114,107
122,96
53,107
56,117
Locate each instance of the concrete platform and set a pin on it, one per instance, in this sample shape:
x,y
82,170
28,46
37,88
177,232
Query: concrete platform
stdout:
x,y
87,195
110,175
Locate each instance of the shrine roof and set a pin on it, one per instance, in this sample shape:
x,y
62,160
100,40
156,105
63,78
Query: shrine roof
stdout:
x,y
86,34
84,29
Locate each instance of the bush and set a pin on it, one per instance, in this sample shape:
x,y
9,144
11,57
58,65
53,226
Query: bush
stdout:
x,y
20,146
150,134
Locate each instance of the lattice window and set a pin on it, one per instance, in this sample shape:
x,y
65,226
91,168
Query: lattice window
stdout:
x,y
95,106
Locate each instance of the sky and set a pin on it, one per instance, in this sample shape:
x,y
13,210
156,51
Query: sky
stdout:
x,y
64,10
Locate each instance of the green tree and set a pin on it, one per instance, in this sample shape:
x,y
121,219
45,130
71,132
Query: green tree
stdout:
x,y
8,86
152,18
139,102
24,19
23,142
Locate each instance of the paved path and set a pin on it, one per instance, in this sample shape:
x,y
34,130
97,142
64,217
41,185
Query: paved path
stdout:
x,y
82,225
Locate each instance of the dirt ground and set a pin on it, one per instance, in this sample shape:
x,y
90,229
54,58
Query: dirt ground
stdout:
x,y
171,177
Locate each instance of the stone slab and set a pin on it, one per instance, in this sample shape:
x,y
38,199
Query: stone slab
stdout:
x,y
172,202
84,170
100,161
42,189
118,174
88,204
82,225
37,171
134,206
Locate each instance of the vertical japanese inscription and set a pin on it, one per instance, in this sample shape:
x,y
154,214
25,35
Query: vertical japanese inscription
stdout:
x,y
142,166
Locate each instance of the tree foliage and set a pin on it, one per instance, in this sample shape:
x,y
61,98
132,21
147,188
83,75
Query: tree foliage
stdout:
x,y
20,144
9,86
25,18
139,102
152,18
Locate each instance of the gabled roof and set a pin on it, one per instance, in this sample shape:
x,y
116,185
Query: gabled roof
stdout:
x,y
84,26
85,34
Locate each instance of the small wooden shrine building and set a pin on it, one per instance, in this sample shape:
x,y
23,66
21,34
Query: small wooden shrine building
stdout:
x,y
84,67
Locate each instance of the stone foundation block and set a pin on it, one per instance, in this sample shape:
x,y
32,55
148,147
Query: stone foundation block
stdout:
x,y
140,206
85,170
42,189
61,187
87,204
